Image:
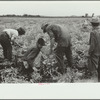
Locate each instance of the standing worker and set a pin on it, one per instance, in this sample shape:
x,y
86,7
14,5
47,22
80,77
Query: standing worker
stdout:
x,y
7,38
94,50
60,35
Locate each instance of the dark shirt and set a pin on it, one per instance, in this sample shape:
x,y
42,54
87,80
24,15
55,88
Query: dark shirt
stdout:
x,y
94,41
31,54
60,33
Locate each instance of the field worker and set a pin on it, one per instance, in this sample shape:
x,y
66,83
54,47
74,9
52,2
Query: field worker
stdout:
x,y
60,35
7,38
32,53
94,50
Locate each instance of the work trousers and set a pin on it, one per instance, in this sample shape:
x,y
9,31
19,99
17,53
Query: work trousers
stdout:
x,y
60,52
6,44
94,65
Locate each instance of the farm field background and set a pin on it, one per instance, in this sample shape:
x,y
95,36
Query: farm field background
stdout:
x,y
32,26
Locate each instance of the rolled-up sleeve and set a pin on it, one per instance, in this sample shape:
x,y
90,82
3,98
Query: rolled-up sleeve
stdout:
x,y
13,37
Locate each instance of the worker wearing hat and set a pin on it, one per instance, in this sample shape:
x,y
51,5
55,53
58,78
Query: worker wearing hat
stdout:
x,y
7,38
60,35
94,49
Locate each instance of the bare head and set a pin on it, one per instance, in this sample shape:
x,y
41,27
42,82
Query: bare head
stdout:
x,y
21,31
44,26
40,43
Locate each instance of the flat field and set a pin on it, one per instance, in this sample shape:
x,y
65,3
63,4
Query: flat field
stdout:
x,y
80,37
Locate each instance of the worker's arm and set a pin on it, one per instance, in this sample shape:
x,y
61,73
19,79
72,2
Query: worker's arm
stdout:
x,y
32,54
13,41
52,40
13,38
28,52
15,44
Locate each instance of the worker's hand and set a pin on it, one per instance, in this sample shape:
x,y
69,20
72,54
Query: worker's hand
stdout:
x,y
54,46
90,53
12,42
25,64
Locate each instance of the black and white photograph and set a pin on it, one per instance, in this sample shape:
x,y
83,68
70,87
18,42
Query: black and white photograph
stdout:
x,y
49,42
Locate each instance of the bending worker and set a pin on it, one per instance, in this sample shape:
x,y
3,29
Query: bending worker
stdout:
x,y
8,36
60,35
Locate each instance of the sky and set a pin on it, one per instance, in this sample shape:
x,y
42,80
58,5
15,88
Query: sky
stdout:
x,y
50,8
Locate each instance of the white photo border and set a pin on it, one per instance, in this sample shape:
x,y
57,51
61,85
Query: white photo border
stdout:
x,y
50,90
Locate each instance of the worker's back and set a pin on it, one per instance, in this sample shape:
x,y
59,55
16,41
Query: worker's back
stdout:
x,y
61,33
95,34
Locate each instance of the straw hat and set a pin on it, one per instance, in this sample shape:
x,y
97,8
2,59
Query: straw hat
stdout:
x,y
95,20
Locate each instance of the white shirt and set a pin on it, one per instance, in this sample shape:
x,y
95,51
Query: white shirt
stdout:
x,y
12,33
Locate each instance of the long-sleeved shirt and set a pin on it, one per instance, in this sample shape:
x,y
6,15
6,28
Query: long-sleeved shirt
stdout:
x,y
31,54
60,33
94,41
12,33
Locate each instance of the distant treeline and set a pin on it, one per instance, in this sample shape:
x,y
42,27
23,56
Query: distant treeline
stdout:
x,y
39,16
13,15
